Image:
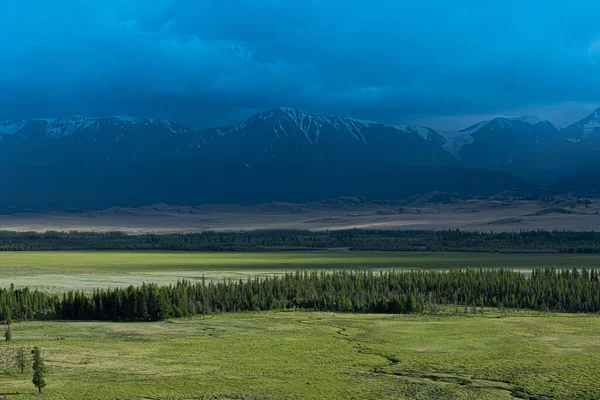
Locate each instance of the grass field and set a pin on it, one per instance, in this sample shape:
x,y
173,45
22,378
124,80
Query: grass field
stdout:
x,y
299,355
58,271
302,355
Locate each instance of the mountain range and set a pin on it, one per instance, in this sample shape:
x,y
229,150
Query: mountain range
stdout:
x,y
283,154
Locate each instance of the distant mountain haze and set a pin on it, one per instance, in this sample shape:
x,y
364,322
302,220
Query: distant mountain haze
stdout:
x,y
286,154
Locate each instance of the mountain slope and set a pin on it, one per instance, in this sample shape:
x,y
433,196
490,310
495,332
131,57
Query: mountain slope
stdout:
x,y
281,134
40,141
583,149
281,154
585,134
507,144
196,181
290,135
527,147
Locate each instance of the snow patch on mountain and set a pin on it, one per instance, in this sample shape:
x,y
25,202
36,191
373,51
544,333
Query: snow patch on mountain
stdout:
x,y
355,127
423,132
65,126
11,127
456,140
58,127
592,123
124,119
587,128
591,126
309,124
363,121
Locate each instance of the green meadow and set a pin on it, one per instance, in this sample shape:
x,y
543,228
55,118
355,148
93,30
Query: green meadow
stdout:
x,y
63,270
298,355
309,355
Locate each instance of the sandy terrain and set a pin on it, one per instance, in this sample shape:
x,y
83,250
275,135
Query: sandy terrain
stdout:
x,y
416,213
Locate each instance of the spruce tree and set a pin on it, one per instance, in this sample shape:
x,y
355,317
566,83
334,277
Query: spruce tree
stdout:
x,y
39,370
8,333
21,359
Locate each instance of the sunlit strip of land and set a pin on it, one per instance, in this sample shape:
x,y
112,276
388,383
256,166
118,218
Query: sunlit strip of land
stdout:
x,y
64,270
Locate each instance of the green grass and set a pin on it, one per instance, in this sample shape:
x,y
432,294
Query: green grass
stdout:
x,y
302,355
57,271
298,355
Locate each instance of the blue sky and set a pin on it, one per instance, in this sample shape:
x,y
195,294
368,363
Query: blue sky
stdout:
x,y
205,62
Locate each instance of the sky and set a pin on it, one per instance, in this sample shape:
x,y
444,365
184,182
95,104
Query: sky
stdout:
x,y
444,64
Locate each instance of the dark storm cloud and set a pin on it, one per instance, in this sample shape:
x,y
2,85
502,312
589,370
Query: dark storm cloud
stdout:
x,y
207,62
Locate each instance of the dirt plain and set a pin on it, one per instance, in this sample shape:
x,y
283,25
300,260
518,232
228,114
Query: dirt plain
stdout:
x,y
431,211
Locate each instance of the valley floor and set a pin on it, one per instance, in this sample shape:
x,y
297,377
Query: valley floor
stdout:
x,y
337,214
309,355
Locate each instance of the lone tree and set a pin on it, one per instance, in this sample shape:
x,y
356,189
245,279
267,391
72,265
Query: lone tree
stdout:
x,y
8,333
21,359
38,369
8,320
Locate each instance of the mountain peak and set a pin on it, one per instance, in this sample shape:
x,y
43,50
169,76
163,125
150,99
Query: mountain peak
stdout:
x,y
301,116
283,112
527,119
595,115
503,122
127,119
589,126
293,132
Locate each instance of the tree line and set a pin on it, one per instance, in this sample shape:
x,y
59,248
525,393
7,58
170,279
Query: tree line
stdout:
x,y
348,291
282,240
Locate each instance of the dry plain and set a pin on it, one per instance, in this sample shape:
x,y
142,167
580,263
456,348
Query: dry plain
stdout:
x,y
345,213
